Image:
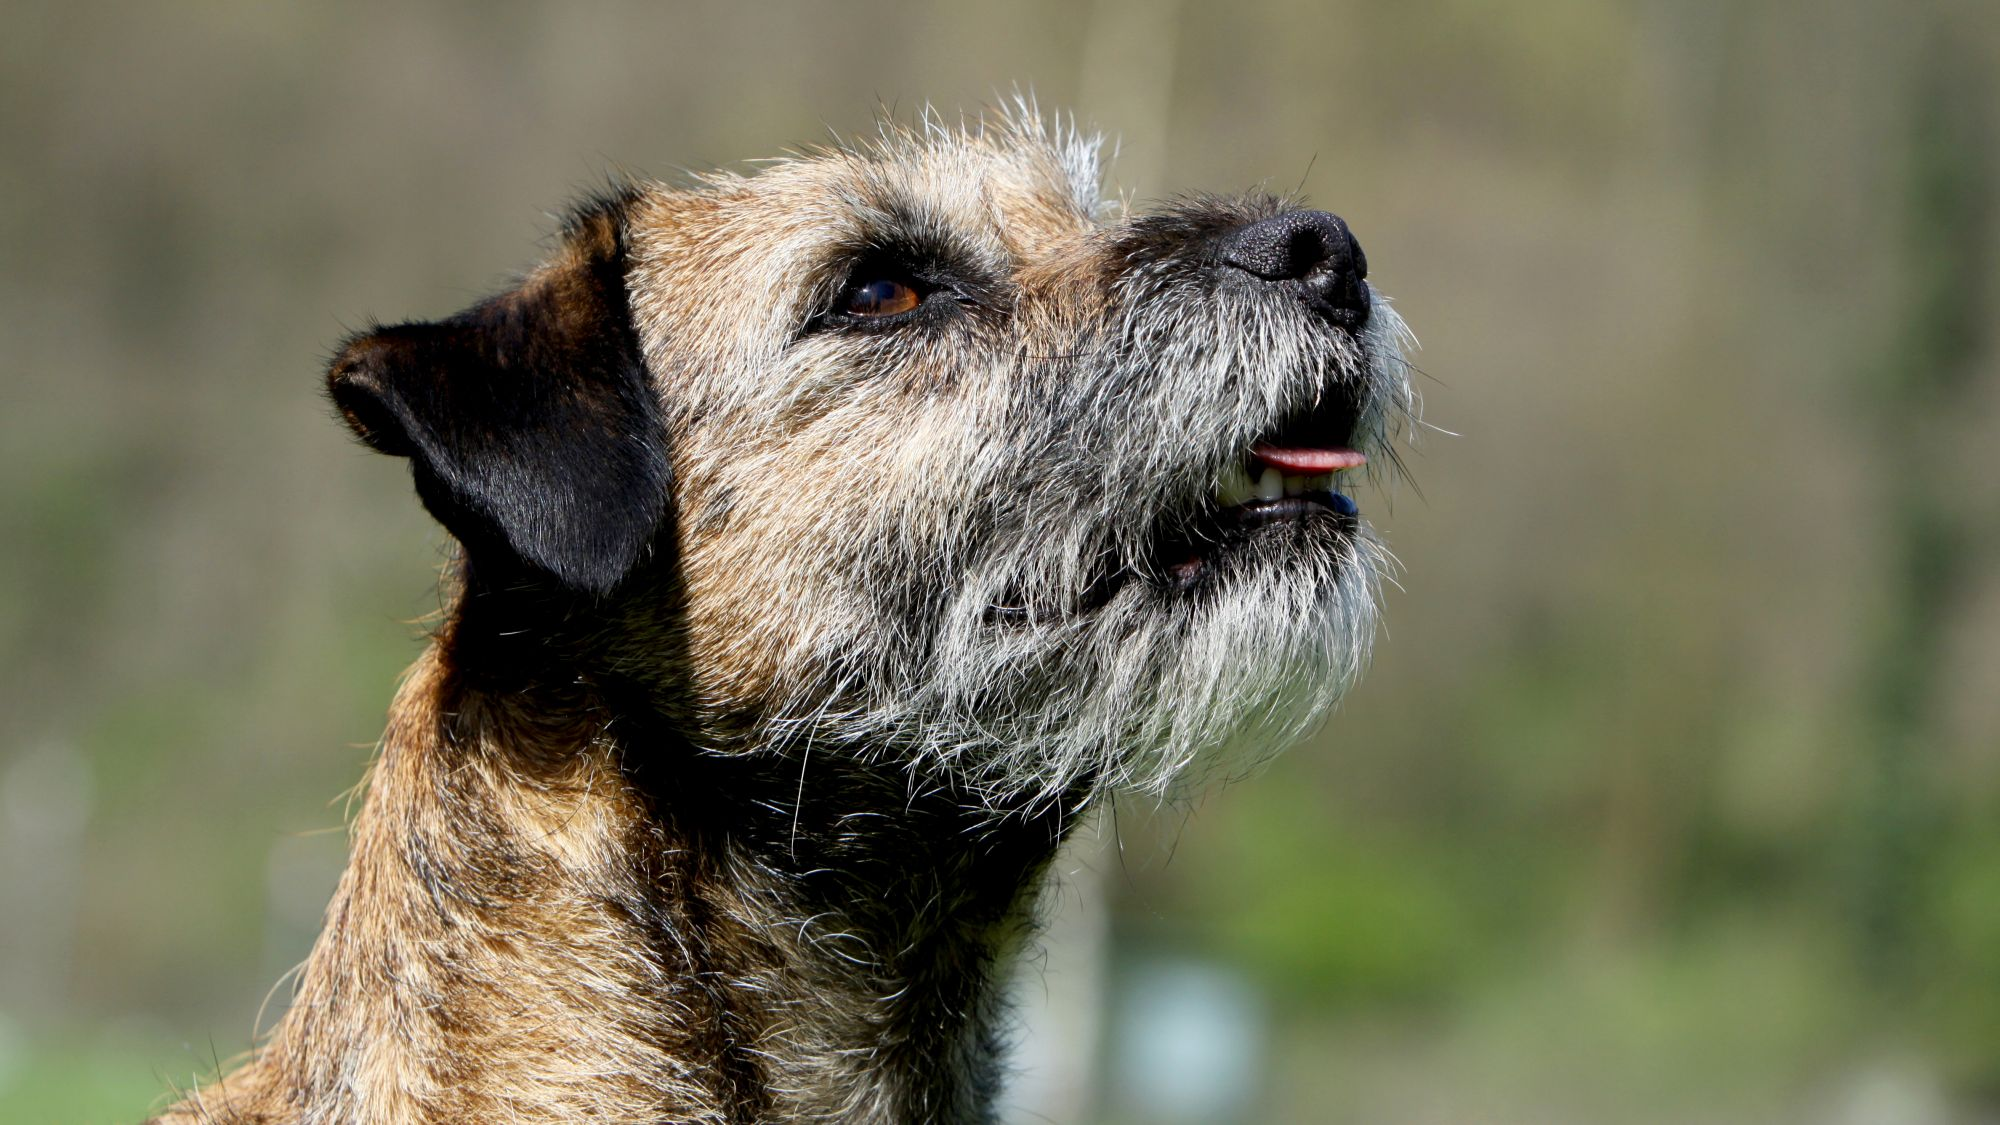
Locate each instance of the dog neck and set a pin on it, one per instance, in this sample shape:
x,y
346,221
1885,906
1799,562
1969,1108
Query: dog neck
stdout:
x,y
556,909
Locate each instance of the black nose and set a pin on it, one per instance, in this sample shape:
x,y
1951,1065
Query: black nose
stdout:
x,y
1312,248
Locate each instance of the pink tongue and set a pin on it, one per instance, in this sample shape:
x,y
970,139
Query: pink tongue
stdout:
x,y
1308,462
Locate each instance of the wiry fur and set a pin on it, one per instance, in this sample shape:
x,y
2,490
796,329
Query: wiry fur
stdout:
x,y
742,827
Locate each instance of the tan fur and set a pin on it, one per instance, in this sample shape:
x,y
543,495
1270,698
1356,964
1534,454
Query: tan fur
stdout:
x,y
532,996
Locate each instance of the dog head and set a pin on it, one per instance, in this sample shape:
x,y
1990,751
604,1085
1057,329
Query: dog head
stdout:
x,y
935,456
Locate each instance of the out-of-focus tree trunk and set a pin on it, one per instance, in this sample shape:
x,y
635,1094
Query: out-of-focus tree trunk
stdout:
x,y
1912,397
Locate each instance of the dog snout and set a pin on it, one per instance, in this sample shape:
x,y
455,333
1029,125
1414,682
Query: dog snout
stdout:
x,y
1312,250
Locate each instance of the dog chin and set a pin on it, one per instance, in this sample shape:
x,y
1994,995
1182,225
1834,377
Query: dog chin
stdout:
x,y
1266,659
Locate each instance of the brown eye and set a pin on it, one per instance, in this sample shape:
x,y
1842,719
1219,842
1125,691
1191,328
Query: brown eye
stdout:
x,y
881,297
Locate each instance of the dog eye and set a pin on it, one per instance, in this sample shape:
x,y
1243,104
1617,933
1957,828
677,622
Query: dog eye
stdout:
x,y
880,297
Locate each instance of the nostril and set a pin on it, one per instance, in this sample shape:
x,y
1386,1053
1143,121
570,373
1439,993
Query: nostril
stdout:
x,y
1305,252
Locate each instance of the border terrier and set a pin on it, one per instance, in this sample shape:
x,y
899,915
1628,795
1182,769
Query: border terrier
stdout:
x,y
830,539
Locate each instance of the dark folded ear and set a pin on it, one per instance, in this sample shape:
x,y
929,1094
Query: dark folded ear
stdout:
x,y
528,419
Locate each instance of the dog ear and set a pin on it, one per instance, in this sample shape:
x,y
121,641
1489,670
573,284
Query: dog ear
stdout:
x,y
528,419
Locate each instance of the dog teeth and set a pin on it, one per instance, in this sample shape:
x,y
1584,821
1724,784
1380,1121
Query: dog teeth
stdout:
x,y
1238,487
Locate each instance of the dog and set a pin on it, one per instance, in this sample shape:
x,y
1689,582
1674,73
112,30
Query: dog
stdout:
x,y
830,540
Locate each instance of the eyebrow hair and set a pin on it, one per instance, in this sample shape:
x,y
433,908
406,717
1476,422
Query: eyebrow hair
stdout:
x,y
920,233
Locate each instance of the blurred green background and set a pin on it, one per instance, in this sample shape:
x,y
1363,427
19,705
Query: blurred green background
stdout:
x,y
1673,795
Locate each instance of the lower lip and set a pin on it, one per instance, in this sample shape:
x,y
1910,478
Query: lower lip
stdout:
x,y
1257,513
